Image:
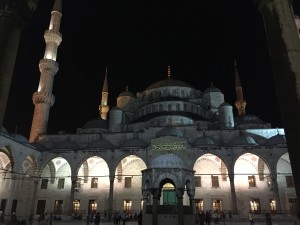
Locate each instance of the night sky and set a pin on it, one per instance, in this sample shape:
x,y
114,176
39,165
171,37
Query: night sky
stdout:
x,y
136,40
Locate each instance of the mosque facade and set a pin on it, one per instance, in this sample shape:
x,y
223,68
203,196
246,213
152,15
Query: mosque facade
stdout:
x,y
168,150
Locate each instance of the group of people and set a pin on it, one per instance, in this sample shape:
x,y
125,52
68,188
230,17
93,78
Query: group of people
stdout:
x,y
46,218
122,217
268,218
216,217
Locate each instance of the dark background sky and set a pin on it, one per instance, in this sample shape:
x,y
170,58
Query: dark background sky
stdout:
x,y
136,40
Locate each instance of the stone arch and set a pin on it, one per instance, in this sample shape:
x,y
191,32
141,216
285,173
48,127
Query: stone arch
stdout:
x,y
170,176
52,171
33,165
7,162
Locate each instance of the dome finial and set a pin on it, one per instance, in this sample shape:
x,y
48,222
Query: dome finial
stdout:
x,y
169,72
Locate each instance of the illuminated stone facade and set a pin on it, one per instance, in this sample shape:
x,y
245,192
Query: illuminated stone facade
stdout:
x,y
168,150
101,167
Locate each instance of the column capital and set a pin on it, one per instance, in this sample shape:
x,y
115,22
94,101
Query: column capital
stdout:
x,y
21,11
74,179
112,178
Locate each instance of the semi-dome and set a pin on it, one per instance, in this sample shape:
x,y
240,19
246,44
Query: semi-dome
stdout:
x,y
247,119
19,138
167,161
242,140
67,144
205,141
96,123
169,131
278,139
168,83
134,143
101,143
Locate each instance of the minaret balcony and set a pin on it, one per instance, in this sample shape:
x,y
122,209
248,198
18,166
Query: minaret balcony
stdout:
x,y
43,97
48,65
53,36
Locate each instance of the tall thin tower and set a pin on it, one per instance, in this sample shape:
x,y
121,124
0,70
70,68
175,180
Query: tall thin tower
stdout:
x,y
240,102
104,107
43,98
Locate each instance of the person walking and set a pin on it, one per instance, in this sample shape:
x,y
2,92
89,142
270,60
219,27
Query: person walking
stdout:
x,y
124,218
13,218
207,218
251,219
2,215
140,218
268,219
87,219
50,218
97,219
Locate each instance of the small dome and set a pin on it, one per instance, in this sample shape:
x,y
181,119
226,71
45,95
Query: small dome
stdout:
x,y
168,83
101,143
19,138
212,89
134,143
126,93
115,108
204,141
242,140
67,144
278,139
3,130
224,105
167,161
169,131
247,119
62,132
96,123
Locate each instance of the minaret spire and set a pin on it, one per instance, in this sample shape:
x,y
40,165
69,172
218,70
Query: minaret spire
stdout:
x,y
240,103
104,108
169,72
43,98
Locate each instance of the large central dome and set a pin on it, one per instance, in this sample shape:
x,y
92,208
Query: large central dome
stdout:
x,y
168,83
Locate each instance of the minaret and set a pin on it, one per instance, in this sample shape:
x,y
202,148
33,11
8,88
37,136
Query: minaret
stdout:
x,y
43,98
104,108
240,103
297,21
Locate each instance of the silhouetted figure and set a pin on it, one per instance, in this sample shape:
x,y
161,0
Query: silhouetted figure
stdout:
x,y
13,218
251,220
207,218
140,218
268,219
87,219
97,219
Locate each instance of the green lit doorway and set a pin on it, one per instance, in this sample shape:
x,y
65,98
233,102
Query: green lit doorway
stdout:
x,y
169,194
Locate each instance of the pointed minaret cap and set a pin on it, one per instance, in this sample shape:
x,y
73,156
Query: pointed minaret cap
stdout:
x,y
237,77
57,6
105,86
